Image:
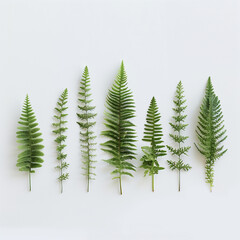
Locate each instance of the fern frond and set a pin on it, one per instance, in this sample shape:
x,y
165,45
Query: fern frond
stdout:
x,y
120,130
178,126
61,138
153,135
86,122
29,139
210,131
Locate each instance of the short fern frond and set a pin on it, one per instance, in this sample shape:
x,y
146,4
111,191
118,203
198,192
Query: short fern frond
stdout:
x,y
86,122
60,129
153,135
210,131
29,138
178,126
120,130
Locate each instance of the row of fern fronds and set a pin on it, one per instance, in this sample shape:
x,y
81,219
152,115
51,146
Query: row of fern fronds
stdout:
x,y
120,134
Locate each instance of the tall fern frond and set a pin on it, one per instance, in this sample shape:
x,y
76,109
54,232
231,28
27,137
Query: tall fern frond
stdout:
x,y
179,126
210,131
60,128
120,130
29,138
86,122
153,135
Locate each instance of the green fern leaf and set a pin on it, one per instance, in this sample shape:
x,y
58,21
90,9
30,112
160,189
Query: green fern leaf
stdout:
x,y
153,135
120,130
61,138
179,126
210,131
86,122
28,137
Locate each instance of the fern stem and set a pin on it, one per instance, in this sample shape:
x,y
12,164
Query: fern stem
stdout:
x,y
179,146
153,147
120,184
61,183
30,184
153,162
179,181
29,173
119,141
88,184
88,147
179,158
88,166
153,183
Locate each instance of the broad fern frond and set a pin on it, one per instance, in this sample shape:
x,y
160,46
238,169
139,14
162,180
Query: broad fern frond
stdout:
x,y
120,130
178,126
60,128
153,135
210,131
86,123
29,138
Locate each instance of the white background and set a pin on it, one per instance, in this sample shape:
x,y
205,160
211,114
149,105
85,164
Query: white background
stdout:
x,y
44,46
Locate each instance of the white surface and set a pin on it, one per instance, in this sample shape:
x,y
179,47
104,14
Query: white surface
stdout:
x,y
44,46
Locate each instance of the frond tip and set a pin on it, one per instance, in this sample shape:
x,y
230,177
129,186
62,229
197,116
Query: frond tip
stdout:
x,y
120,129
29,139
210,131
60,128
86,122
153,135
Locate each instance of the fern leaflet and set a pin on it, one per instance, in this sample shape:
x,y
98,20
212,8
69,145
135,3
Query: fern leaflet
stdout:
x,y
210,131
120,130
29,138
86,123
153,135
60,128
178,138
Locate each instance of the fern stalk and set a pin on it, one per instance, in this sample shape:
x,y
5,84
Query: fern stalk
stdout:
x,y
120,129
86,122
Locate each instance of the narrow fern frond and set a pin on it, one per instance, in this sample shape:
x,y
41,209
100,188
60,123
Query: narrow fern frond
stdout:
x,y
178,126
120,130
60,129
29,139
86,122
152,134
210,131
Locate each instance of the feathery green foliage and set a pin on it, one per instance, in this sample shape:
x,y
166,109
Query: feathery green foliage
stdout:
x,y
120,130
29,138
210,131
60,128
153,135
86,123
178,138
